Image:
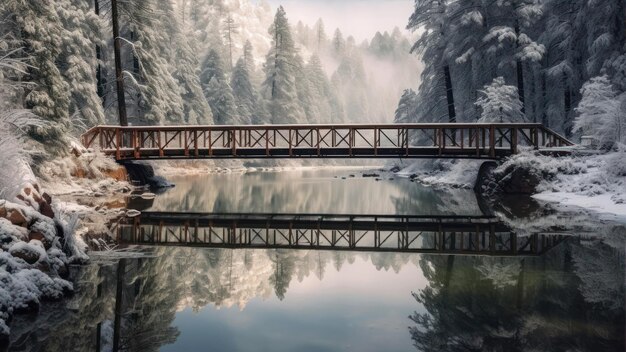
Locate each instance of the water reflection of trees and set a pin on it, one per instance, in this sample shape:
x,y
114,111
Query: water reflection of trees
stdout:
x,y
571,299
309,191
154,289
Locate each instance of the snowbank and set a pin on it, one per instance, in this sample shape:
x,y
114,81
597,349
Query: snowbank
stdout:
x,y
40,233
35,251
594,182
443,173
597,183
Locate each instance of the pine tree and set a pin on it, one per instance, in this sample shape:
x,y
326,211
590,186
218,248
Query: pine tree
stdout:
x,y
304,91
196,110
159,96
327,104
350,81
244,94
217,91
500,103
436,91
279,85
211,67
320,35
248,58
219,94
339,44
230,29
599,113
38,29
77,60
406,107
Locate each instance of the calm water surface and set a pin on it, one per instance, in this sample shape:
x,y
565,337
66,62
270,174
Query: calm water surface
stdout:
x,y
570,298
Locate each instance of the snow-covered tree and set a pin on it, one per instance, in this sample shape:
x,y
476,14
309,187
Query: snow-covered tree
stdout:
x,y
158,93
329,109
248,57
82,31
338,43
599,113
230,29
436,90
320,35
15,170
219,94
211,67
37,28
406,107
280,80
500,103
245,96
195,107
350,82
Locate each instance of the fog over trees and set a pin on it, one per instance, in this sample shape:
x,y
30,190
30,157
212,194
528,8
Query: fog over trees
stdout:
x,y
196,62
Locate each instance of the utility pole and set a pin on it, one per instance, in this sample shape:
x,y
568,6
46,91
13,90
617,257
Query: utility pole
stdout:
x,y
121,101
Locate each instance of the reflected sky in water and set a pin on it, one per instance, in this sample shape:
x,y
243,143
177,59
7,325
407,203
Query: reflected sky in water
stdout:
x,y
357,309
310,191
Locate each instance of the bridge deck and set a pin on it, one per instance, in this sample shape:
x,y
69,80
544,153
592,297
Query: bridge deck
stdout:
x,y
468,141
466,235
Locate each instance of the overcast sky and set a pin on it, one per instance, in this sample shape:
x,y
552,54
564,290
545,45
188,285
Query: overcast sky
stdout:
x,y
360,18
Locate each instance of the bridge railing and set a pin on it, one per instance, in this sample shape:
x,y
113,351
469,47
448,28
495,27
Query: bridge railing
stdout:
x,y
339,140
468,235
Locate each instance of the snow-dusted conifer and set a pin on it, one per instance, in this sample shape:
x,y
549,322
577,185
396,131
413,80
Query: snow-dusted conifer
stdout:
x,y
280,81
599,113
230,29
219,94
500,103
217,91
338,43
406,107
328,106
211,67
49,96
159,94
195,107
82,31
243,91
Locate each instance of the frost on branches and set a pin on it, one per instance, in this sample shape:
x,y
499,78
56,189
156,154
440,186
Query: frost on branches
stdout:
x,y
500,103
600,113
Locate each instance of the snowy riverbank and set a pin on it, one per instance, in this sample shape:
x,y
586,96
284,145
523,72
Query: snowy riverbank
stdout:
x,y
43,226
594,182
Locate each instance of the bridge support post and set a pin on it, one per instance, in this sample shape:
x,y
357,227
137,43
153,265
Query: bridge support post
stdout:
x,y
514,140
492,141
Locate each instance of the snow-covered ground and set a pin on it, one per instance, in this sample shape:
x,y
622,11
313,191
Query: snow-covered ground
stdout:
x,y
597,183
594,182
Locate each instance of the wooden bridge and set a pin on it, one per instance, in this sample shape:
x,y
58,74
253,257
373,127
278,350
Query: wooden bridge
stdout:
x,y
461,141
464,235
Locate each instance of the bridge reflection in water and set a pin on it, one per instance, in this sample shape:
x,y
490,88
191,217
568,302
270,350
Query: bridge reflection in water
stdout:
x,y
464,235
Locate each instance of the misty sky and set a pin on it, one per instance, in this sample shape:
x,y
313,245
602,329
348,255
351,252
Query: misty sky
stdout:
x,y
360,18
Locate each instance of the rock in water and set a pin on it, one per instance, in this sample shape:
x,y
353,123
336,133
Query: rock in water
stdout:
x,y
131,213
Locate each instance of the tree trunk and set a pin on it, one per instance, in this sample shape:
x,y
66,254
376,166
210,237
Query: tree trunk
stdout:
x,y
100,80
119,296
544,112
520,77
121,101
449,94
567,105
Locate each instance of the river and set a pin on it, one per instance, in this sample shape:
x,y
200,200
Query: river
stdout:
x,y
561,289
